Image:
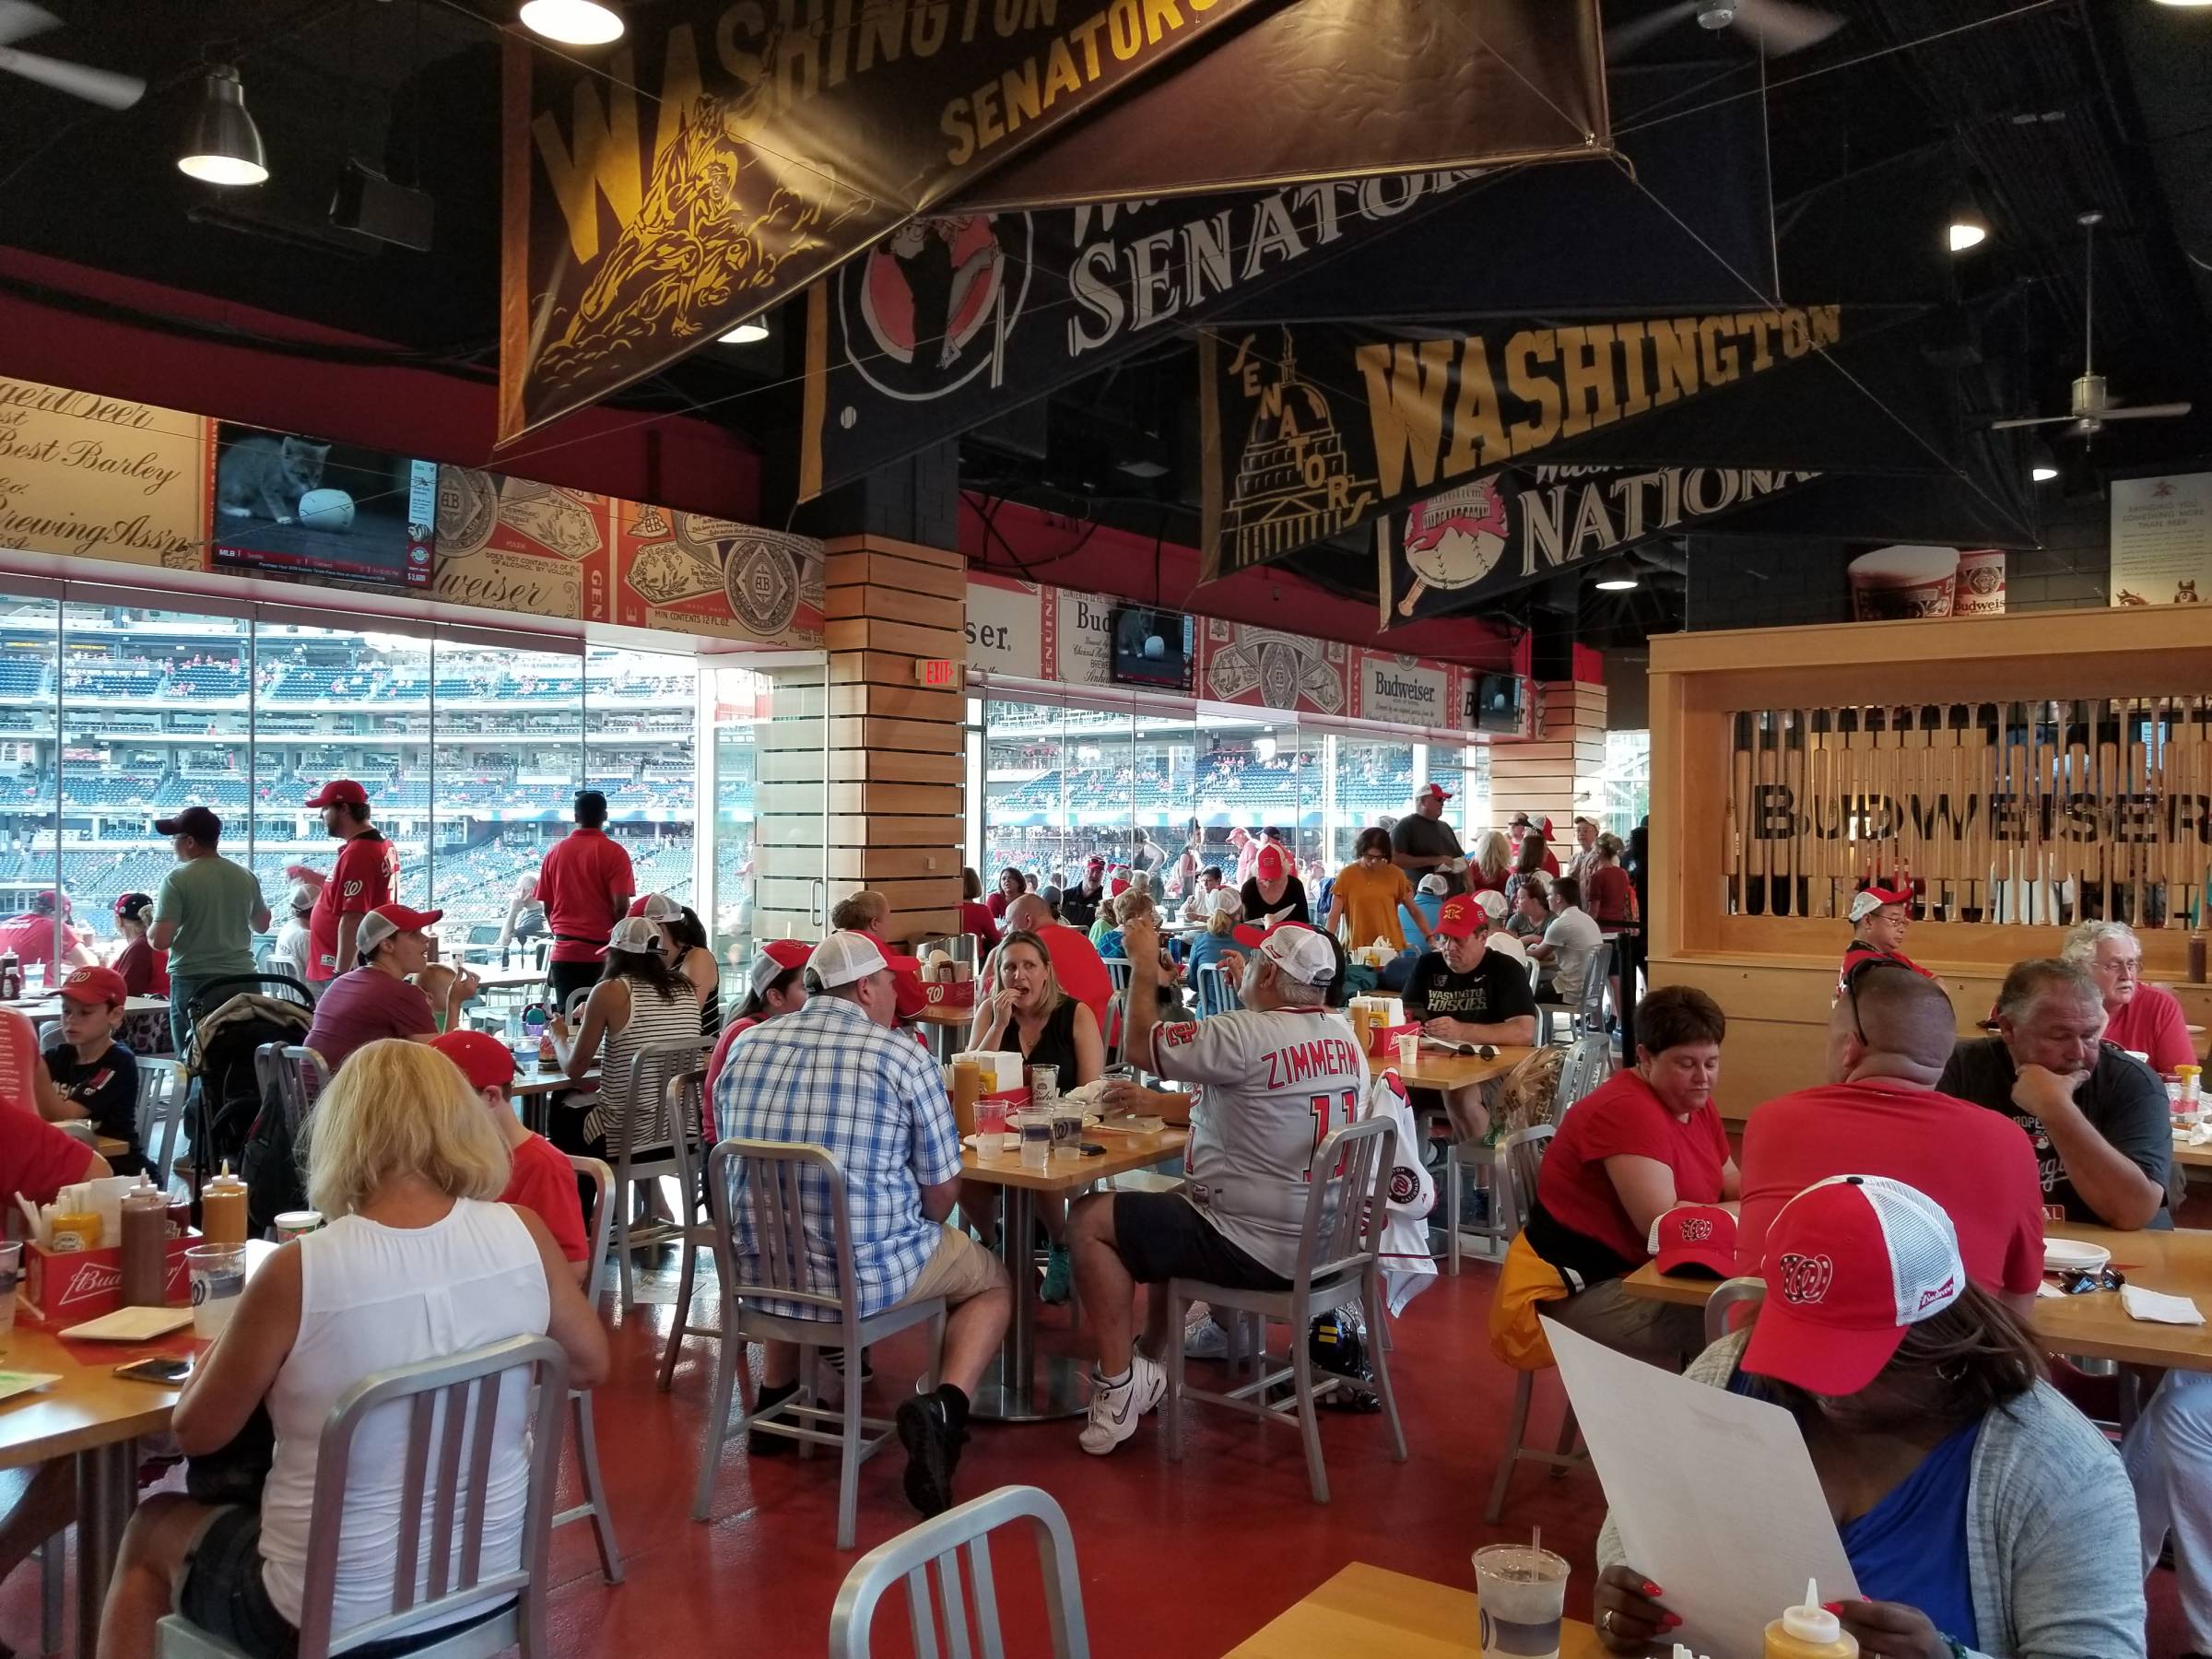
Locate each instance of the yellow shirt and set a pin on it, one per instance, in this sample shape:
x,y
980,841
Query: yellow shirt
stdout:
x,y
1371,899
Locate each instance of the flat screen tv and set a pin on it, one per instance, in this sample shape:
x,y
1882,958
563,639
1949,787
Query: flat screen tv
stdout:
x,y
285,505
1151,648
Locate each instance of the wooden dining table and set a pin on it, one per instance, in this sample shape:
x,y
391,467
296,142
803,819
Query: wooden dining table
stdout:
x,y
90,1415
1369,1612
1019,1387
2093,1326
1443,1071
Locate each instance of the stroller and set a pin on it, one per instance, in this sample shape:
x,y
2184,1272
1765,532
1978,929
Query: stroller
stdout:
x,y
231,1018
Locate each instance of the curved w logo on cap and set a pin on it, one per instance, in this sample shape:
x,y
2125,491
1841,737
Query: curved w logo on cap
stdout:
x,y
1805,1279
1696,1229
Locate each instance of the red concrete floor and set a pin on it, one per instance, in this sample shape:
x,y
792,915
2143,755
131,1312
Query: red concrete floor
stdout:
x,y
1176,1560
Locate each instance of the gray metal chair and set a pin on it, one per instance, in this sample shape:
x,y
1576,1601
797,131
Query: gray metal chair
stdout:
x,y
161,1114
598,1225
1729,1294
1589,1063
1117,972
577,998
297,1074
908,1560
452,1408
643,1156
794,1195
686,1102
1520,1156
1339,1262
1585,1009
1217,991
1116,1031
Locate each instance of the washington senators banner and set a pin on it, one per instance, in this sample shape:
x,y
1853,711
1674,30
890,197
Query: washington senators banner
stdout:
x,y
729,154
957,319
1504,530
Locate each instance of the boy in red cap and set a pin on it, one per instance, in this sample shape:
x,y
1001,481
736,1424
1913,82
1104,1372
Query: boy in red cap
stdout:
x,y
539,1176
92,1070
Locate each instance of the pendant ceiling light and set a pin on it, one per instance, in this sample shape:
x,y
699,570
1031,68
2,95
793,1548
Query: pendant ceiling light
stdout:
x,y
573,22
746,333
223,146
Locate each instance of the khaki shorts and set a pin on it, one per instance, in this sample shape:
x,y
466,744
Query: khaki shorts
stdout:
x,y
958,1270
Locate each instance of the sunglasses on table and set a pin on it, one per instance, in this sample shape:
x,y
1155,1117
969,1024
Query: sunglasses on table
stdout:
x,y
2081,1281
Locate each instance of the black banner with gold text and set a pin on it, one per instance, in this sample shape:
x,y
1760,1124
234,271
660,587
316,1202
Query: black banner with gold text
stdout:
x,y
728,154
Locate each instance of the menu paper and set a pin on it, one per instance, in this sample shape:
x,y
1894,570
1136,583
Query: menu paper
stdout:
x,y
2161,538
1713,1494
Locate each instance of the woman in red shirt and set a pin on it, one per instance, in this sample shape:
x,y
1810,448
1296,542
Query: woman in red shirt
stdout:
x,y
1607,893
976,917
1646,1140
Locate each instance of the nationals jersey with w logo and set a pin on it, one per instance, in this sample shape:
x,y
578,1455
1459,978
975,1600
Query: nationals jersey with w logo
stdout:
x,y
1274,1085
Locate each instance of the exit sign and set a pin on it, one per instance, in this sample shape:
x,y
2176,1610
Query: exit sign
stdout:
x,y
940,672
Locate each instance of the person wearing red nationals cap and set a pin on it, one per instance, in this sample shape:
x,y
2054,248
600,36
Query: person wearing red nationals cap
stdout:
x,y
1982,1514
1275,893
1879,916
539,1176
365,877
1422,842
1278,1077
375,999
97,1074
775,983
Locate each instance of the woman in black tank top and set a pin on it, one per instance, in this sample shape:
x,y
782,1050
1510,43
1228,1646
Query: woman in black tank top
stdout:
x,y
1029,1012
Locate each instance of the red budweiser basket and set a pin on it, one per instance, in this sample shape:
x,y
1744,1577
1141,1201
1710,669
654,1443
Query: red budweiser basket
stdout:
x,y
64,1286
1383,1039
949,993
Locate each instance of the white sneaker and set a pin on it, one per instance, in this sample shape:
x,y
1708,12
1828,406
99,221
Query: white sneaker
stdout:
x,y
1205,1340
1114,1410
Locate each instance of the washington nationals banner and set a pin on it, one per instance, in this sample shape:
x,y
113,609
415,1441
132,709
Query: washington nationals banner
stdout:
x,y
1313,429
1506,529
730,153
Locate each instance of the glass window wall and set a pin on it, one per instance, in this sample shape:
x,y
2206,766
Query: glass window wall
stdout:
x,y
113,714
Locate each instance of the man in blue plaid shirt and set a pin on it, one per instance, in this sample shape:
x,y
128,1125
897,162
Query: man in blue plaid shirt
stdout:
x,y
839,1074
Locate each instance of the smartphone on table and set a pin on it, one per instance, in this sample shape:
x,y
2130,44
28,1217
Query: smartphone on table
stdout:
x,y
167,1370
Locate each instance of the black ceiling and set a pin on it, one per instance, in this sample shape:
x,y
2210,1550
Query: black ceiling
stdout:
x,y
2061,106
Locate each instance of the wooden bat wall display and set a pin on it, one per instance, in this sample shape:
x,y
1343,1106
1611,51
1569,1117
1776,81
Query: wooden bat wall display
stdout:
x,y
2017,813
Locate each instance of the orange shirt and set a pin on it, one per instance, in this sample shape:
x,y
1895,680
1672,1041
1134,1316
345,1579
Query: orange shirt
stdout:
x,y
1371,899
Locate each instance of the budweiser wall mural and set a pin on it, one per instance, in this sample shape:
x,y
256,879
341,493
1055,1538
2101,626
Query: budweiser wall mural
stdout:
x,y
729,154
1310,431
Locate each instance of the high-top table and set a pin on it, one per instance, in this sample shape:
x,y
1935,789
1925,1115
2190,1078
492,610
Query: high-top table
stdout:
x,y
1017,1388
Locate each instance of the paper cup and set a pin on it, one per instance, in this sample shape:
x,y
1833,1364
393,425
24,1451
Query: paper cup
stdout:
x,y
1892,583
1980,591
218,1279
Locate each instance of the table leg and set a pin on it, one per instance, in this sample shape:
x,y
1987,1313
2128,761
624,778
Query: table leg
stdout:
x,y
1019,1387
107,1490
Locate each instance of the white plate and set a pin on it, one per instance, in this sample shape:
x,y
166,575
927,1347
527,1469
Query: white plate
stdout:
x,y
2071,1256
131,1324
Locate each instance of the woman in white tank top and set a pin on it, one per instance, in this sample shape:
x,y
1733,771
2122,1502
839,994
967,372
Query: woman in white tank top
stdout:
x,y
416,1263
641,1001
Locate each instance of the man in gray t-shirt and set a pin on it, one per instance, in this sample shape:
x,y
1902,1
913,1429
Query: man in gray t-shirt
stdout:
x,y
1422,842
206,914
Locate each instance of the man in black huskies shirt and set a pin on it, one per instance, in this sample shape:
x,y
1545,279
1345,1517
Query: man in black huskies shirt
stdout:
x,y
1465,992
2098,1120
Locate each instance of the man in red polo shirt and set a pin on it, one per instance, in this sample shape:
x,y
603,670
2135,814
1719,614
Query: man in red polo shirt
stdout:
x,y
365,874
1889,1037
586,885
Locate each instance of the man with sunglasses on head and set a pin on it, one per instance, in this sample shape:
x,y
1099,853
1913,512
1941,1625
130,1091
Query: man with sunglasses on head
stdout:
x,y
1880,1113
2095,1116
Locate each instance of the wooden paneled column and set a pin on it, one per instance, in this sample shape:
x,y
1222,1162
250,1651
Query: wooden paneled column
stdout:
x,y
896,746
1549,775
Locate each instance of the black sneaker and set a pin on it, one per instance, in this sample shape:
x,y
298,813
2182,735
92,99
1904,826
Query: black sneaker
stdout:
x,y
933,1452
834,1357
770,1445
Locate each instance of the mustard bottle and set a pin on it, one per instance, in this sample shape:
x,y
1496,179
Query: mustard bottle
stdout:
x,y
1810,1631
223,1209
74,1229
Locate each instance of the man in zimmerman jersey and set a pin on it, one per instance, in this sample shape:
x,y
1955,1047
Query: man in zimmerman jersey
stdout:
x,y
1276,1079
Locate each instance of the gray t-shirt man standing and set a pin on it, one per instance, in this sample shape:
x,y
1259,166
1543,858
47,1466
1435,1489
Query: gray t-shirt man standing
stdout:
x,y
206,914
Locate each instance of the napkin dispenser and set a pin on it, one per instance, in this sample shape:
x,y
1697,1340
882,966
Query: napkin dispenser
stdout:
x,y
1000,1070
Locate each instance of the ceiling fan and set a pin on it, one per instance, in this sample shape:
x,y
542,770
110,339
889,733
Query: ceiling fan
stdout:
x,y
19,21
2091,405
1778,26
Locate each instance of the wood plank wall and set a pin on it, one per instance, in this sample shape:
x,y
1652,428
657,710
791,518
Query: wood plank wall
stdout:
x,y
1555,772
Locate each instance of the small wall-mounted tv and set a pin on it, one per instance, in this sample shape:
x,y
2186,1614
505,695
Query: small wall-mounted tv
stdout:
x,y
1495,704
281,504
1151,648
